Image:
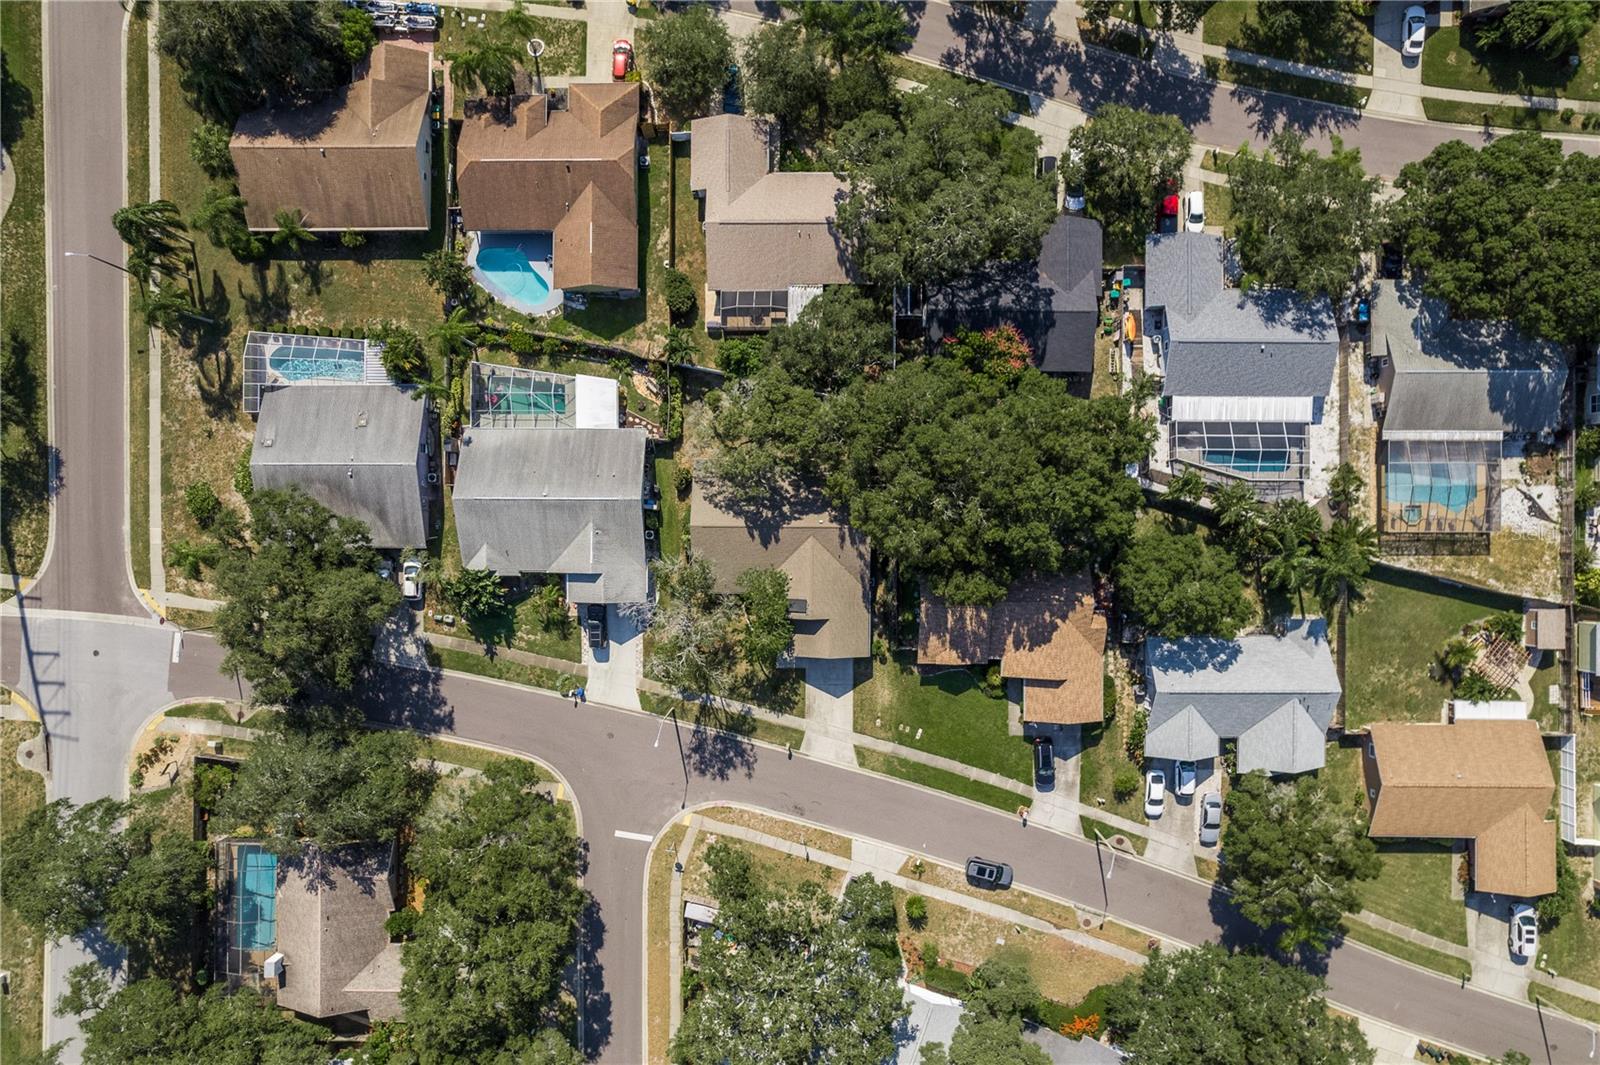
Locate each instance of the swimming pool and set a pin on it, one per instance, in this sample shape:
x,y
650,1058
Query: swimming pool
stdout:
x,y
255,899
1452,486
515,268
1249,461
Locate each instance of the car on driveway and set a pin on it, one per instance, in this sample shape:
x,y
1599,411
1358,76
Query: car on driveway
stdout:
x,y
981,872
386,569
1184,776
1211,819
1076,198
1044,764
1194,212
411,581
1524,937
1155,793
1413,30
621,58
594,624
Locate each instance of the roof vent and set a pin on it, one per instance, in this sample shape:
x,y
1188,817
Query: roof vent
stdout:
x,y
361,419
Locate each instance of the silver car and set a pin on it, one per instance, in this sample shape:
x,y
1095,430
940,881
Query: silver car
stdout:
x,y
1524,937
1210,819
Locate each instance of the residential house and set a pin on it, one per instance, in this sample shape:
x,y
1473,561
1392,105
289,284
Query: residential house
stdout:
x,y
1274,694
1462,402
547,482
771,240
553,178
1247,376
331,906
361,450
1045,633
828,565
1053,301
361,158
1488,782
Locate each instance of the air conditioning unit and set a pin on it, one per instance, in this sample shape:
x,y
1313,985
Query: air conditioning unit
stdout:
x,y
272,968
644,162
649,535
433,477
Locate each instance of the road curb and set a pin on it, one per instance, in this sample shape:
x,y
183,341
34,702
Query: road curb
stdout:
x,y
27,707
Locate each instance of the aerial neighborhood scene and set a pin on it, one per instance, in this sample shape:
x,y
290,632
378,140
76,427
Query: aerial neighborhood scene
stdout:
x,y
729,532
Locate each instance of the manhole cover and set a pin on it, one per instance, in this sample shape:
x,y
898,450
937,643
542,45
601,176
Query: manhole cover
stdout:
x,y
27,754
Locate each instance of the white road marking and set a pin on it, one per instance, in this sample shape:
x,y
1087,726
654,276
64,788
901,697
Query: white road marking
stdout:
x,y
177,644
640,836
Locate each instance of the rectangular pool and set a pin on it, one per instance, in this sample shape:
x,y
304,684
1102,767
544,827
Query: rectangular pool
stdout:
x,y
255,898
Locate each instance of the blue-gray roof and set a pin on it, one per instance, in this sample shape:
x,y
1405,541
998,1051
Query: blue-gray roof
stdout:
x,y
1224,341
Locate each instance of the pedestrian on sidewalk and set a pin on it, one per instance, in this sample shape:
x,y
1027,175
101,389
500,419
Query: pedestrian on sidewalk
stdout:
x,y
582,694
1022,812
574,694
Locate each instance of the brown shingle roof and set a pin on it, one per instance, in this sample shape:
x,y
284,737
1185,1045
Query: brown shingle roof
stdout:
x,y
331,909
569,172
1487,781
1044,631
350,161
825,561
1545,629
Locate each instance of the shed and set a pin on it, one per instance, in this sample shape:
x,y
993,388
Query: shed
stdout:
x,y
1495,710
1545,629
699,913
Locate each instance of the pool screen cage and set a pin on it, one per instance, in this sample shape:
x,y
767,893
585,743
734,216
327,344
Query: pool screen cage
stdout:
x,y
507,397
1242,450
272,359
236,963
751,307
1439,487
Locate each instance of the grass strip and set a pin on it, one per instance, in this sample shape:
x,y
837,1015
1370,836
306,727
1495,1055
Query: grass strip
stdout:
x,y
922,73
658,947
138,78
1328,92
941,779
750,726
1581,1008
1206,869
21,950
207,711
1470,114
500,669
1091,826
1404,949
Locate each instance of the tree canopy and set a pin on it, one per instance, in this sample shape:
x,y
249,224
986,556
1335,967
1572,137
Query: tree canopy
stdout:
x,y
1205,1004
685,56
1182,586
840,335
149,1022
1550,27
784,77
1506,231
1124,157
943,186
853,29
767,428
501,920
1294,857
300,608
1303,220
1000,992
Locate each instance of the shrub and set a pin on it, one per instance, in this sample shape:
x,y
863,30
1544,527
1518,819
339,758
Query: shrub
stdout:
x,y
243,482
203,504
1506,624
209,783
621,368
1551,908
353,239
520,341
952,982
1567,114
1108,698
188,558
1476,688
208,147
679,292
1125,783
930,950
402,924
1135,747
917,911
992,682
475,593
741,356
403,358
1588,445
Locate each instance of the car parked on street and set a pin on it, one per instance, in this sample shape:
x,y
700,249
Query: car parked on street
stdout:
x,y
1155,793
594,624
981,872
1414,30
1185,774
621,58
1210,819
1524,936
411,581
1044,764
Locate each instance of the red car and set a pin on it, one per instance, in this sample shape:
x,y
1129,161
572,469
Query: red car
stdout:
x,y
621,59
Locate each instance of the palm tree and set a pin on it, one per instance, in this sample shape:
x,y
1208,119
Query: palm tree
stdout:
x,y
1239,516
1344,558
1457,654
1187,487
455,335
166,305
154,233
221,217
1344,490
492,65
292,231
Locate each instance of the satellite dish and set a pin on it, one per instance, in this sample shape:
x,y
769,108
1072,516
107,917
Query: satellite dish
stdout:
x,y
535,47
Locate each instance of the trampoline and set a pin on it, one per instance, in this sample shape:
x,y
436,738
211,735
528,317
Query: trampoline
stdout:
x,y
255,899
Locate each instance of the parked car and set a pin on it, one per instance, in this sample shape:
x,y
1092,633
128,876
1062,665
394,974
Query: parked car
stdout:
x,y
986,874
386,569
621,58
1414,30
594,624
1077,201
1184,776
1210,819
1524,931
411,580
1155,793
1390,262
1194,215
1044,764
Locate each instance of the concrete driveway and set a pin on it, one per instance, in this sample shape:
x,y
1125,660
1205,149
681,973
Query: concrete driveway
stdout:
x,y
1396,77
615,669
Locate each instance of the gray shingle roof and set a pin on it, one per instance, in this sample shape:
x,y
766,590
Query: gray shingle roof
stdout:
x,y
1281,691
353,448
1459,375
565,501
1224,341
1054,300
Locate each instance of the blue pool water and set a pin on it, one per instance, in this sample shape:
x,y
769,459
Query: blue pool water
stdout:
x,y
1249,461
1419,484
255,899
324,367
515,269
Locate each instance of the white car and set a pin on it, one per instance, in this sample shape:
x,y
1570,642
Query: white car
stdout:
x,y
1155,793
1184,778
386,569
1194,211
411,580
1414,30
1210,819
1524,931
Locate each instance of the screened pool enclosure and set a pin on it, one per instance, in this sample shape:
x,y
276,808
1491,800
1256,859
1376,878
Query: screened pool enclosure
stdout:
x,y
1439,486
1256,451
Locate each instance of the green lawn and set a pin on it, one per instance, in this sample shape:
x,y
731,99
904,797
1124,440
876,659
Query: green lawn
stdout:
x,y
754,726
674,512
1547,713
1468,114
1414,889
1329,92
1427,957
21,951
1395,634
1104,751
1568,1004
1572,947
205,711
940,779
1219,207
564,40
24,517
1336,39
501,669
957,719
1095,830
138,335
1451,63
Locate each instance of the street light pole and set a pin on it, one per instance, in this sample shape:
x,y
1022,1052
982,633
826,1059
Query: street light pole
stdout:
x,y
684,758
1105,874
99,259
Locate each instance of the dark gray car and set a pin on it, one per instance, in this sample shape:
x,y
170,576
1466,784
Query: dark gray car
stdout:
x,y
981,872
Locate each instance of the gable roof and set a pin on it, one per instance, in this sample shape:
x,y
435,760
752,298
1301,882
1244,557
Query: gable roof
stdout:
x,y
348,161
827,564
1053,300
571,172
1045,631
764,229
354,448
1488,781
1274,694
1224,341
331,909
566,501
1455,375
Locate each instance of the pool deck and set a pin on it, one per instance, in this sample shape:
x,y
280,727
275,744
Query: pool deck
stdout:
x,y
552,300
1438,517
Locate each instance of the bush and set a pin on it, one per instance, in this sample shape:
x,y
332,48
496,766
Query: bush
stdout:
x,y
742,356
1125,783
189,558
1588,445
203,504
1476,688
243,482
402,924
1551,908
952,982
679,292
1135,747
208,147
403,357
353,239
917,911
209,783
520,341
1108,698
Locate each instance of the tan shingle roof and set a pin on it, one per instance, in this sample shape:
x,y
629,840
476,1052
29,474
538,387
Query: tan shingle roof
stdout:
x,y
569,172
826,562
1044,631
347,162
1488,781
331,909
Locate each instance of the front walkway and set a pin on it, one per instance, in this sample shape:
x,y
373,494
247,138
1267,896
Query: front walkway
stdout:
x,y
830,709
